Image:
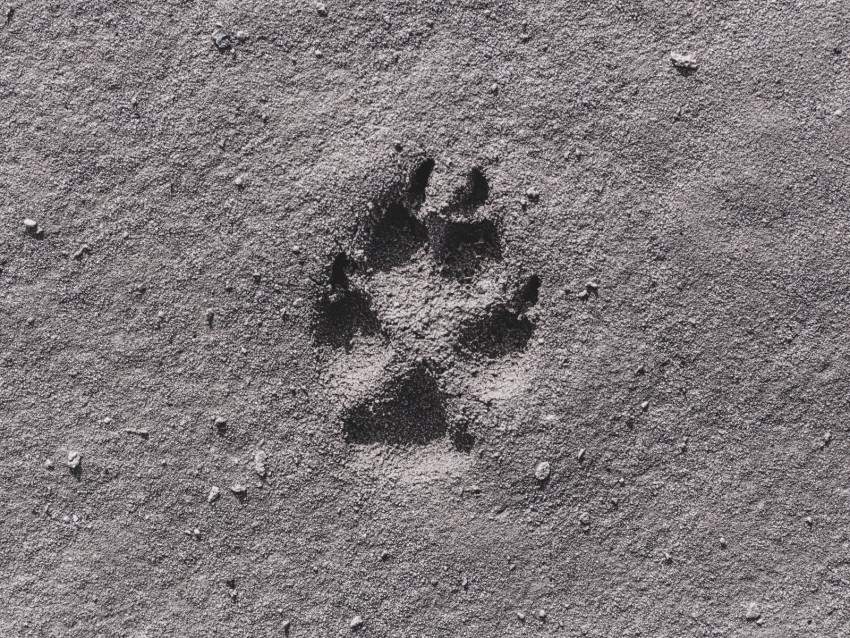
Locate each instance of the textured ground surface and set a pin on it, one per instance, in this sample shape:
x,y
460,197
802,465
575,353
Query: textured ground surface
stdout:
x,y
362,242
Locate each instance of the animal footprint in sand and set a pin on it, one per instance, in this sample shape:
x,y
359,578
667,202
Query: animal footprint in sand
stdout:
x,y
415,303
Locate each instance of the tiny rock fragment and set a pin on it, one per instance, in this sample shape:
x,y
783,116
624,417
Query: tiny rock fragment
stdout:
x,y
242,36
584,520
592,287
809,521
214,494
723,542
541,614
82,252
356,622
260,463
581,454
74,459
239,182
209,316
322,9
221,38
684,61
583,295
48,464
521,616
532,194
542,471
30,225
239,489
138,432
464,582
753,612
644,406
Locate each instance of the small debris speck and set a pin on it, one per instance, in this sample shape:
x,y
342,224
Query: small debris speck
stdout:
x,y
356,622
322,9
260,463
214,494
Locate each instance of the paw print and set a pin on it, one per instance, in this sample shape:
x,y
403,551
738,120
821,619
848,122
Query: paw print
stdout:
x,y
414,304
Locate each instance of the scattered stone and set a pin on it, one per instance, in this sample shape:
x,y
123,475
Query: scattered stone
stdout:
x,y
541,614
809,521
521,616
30,225
260,463
220,424
242,36
82,252
483,286
723,543
753,612
356,622
542,471
592,287
583,295
138,432
684,61
385,555
48,464
322,9
581,455
221,38
532,194
214,494
286,625
641,369
74,460
584,520
239,182
209,316
239,489
296,249
644,406
8,12
464,582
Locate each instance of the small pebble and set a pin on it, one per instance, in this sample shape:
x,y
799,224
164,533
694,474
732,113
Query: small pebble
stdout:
x,y
644,406
584,520
541,614
260,463
239,489
214,494
723,542
221,38
220,424
521,616
684,61
74,459
209,315
239,182
296,249
592,287
82,252
322,9
542,471
753,612
48,463
532,194
582,295
356,622
138,432
809,521
242,36
30,225
581,455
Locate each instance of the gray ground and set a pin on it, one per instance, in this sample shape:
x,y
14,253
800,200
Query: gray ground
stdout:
x,y
339,270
